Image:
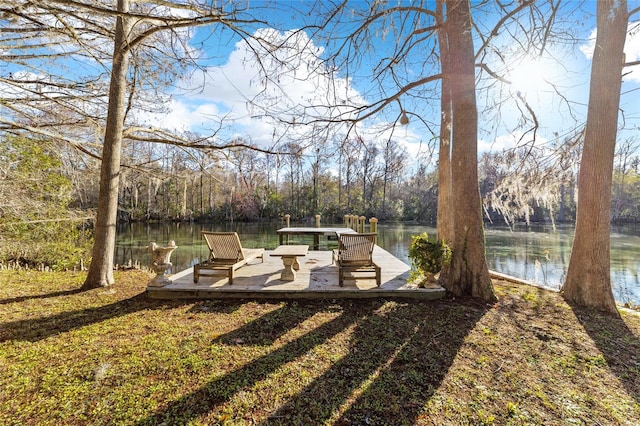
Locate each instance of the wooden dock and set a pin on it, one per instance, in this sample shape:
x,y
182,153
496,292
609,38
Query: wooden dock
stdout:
x,y
317,278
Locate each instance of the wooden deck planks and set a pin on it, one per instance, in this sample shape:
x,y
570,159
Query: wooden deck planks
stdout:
x,y
316,279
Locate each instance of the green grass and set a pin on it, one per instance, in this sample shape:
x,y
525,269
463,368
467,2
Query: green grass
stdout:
x,y
112,356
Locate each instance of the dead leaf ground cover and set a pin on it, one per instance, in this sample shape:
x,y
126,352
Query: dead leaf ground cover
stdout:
x,y
112,356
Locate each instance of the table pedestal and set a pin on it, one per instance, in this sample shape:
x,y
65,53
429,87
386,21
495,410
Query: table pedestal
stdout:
x,y
289,255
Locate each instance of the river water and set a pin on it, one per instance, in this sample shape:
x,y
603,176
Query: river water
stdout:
x,y
537,253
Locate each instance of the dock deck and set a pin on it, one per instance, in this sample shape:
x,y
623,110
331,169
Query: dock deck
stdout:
x,y
317,278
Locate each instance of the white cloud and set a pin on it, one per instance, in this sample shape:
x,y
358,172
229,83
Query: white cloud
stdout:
x,y
588,47
179,116
508,141
631,49
501,143
290,82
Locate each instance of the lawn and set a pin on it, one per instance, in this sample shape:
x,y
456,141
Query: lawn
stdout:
x,y
112,356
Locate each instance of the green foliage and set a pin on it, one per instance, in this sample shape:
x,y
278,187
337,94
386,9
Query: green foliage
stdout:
x,y
34,184
625,197
59,246
428,255
37,229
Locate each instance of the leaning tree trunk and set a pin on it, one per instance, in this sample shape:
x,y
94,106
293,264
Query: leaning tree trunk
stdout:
x,y
101,269
467,274
588,281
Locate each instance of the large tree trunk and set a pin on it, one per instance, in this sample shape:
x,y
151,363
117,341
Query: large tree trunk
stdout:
x,y
468,274
588,281
445,218
101,269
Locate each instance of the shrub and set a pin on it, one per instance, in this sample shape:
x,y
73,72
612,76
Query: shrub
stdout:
x,y
57,246
428,256
37,228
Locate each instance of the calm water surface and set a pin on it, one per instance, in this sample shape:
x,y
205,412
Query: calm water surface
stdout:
x,y
536,253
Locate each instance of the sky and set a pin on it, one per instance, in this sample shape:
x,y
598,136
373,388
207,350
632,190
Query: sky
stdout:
x,y
228,88
230,81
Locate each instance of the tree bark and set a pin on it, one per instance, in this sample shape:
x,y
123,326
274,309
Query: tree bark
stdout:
x,y
183,208
588,281
101,269
467,274
445,218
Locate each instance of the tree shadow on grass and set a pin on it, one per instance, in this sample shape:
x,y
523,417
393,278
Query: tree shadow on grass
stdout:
x,y
619,345
222,306
219,391
35,329
399,355
264,330
21,299
394,366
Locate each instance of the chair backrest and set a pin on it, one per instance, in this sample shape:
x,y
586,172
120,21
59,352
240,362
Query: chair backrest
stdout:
x,y
224,245
356,247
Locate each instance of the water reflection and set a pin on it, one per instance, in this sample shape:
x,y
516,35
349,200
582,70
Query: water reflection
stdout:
x,y
537,253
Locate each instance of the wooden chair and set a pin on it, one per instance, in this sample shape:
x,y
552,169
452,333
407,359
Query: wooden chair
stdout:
x,y
355,254
225,255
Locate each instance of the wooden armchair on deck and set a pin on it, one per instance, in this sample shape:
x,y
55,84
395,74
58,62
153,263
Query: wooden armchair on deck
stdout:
x,y
225,255
355,254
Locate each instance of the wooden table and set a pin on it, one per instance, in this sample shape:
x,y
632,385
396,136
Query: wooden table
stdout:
x,y
315,232
289,255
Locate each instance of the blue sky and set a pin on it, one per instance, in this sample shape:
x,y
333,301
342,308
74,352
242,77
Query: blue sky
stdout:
x,y
230,81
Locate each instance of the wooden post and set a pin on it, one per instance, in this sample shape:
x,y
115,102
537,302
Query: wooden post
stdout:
x,y
317,221
287,218
362,222
373,225
346,220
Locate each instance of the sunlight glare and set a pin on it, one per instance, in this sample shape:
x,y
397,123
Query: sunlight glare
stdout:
x,y
530,77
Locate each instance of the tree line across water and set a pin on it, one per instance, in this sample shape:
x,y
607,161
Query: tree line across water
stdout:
x,y
47,186
47,182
